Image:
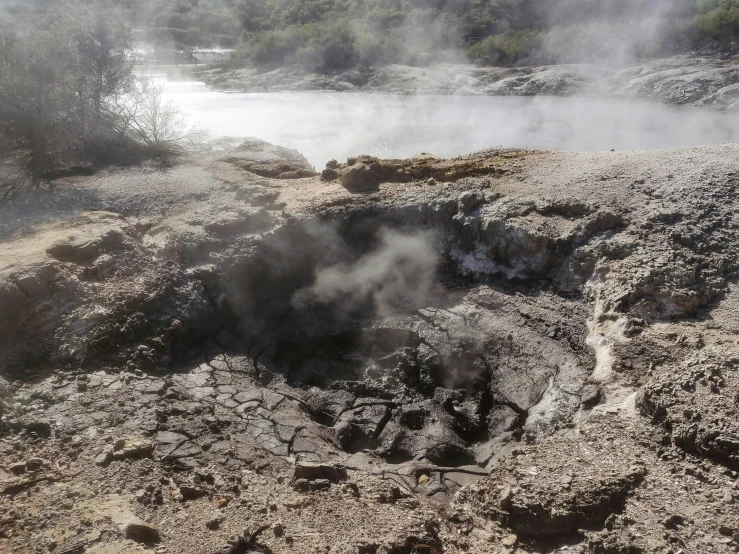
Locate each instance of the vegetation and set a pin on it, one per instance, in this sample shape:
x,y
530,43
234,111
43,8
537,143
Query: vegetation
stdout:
x,y
331,34
69,98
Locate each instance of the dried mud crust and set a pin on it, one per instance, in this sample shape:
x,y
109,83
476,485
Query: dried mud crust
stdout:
x,y
562,378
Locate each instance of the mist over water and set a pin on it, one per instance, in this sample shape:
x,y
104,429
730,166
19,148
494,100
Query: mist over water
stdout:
x,y
325,125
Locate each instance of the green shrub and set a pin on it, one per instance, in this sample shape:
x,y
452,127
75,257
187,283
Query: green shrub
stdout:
x,y
721,22
507,47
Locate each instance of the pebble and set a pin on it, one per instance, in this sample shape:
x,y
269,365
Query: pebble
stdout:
x,y
214,523
104,458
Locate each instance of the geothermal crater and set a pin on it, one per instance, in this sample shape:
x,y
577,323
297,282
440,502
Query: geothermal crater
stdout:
x,y
508,350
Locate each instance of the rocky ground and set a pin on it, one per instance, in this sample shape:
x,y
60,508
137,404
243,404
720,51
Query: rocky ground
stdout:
x,y
706,81
511,351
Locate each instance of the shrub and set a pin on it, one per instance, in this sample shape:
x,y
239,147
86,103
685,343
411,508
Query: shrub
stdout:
x,y
55,83
507,47
69,98
156,128
721,22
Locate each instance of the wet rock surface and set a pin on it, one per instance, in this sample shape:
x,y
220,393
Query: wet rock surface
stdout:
x,y
508,351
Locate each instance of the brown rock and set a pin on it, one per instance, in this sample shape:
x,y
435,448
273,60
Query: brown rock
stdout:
x,y
142,531
329,174
359,178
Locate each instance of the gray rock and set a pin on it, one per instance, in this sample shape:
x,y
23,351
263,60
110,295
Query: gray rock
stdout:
x,y
320,484
104,458
313,471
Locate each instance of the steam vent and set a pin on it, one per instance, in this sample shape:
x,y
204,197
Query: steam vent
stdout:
x,y
369,277
473,355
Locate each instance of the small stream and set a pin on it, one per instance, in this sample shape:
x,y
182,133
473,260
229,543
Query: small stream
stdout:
x,y
325,125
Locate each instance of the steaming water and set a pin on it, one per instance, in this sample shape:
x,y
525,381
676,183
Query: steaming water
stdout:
x,y
328,125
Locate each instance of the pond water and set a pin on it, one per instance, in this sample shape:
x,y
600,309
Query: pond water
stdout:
x,y
325,125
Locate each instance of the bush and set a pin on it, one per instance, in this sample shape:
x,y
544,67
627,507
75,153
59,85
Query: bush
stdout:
x,y
69,98
152,126
508,47
721,22
55,83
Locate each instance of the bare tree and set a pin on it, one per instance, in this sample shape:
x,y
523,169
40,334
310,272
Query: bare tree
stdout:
x,y
156,125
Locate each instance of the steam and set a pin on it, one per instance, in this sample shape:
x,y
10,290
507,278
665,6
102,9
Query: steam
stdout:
x,y
397,275
614,32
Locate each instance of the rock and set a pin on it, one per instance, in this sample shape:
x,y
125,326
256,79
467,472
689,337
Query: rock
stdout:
x,y
673,521
17,468
431,181
85,247
104,458
132,447
470,201
142,531
234,222
191,493
360,178
728,497
301,485
278,529
320,484
423,479
332,164
34,464
214,523
590,397
313,471
508,541
329,174
541,511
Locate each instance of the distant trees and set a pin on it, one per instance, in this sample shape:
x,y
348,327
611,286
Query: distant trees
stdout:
x,y
69,98
55,80
719,19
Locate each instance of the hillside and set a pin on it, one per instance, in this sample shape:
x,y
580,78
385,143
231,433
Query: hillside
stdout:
x,y
331,34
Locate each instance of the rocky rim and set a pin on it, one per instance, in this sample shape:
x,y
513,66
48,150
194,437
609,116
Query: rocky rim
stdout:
x,y
708,81
510,351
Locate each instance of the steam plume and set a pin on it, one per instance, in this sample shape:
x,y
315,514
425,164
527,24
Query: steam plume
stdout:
x,y
398,274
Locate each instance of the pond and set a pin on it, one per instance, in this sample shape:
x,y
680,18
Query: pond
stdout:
x,y
325,125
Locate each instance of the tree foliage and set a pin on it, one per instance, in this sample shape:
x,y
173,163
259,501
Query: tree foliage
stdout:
x,y
69,97
311,32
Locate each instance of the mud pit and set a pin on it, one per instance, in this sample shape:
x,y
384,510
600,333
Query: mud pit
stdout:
x,y
474,355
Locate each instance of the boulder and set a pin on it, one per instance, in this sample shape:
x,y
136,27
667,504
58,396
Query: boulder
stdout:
x,y
142,531
329,174
360,178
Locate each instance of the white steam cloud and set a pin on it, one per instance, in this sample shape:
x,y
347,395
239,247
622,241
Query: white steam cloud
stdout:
x,y
398,275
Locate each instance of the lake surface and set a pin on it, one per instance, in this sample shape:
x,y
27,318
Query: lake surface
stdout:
x,y
325,125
